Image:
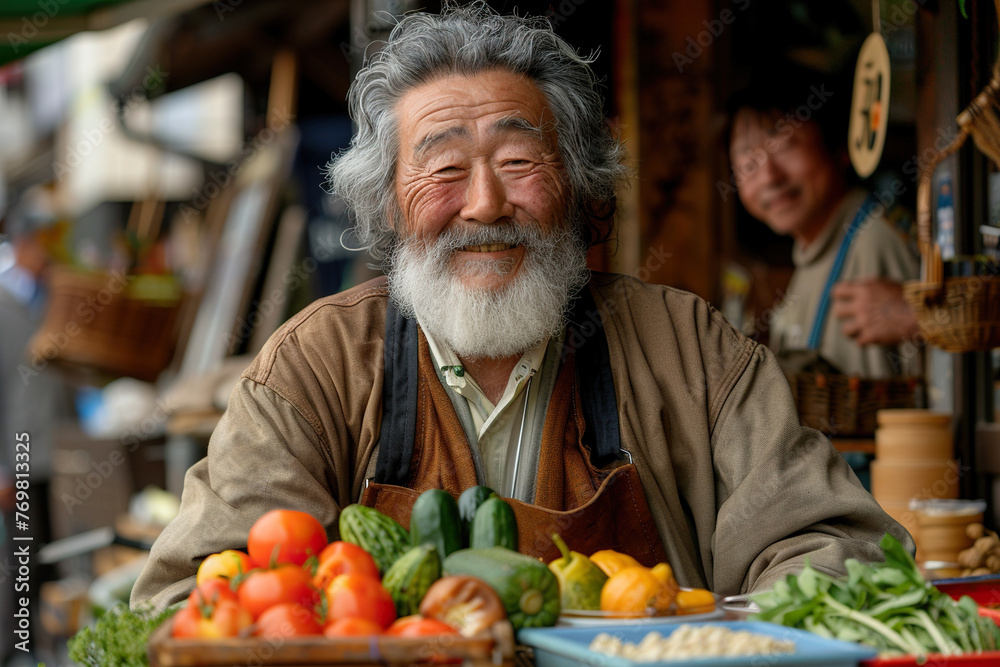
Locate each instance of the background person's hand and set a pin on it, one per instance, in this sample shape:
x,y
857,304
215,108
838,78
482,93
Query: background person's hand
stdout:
x,y
873,311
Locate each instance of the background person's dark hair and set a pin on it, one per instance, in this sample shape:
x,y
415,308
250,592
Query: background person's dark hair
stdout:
x,y
789,89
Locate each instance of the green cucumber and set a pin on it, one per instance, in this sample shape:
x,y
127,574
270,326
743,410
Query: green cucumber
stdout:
x,y
468,503
528,589
410,576
379,535
494,525
434,520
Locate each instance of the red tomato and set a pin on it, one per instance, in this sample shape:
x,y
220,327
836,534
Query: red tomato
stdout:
x,y
419,626
266,588
359,596
286,535
343,558
186,623
288,619
226,618
211,591
352,627
440,634
226,564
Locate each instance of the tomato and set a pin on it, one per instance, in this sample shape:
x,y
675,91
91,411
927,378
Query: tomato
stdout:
x,y
186,623
287,535
226,564
440,634
284,583
352,627
343,558
288,619
419,626
359,596
226,618
211,591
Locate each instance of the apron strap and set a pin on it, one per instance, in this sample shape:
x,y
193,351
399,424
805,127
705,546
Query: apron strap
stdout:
x,y
816,335
585,338
399,398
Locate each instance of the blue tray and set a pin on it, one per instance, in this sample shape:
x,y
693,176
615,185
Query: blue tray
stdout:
x,y
567,647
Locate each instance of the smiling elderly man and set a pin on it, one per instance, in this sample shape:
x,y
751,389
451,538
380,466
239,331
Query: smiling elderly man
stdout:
x,y
626,416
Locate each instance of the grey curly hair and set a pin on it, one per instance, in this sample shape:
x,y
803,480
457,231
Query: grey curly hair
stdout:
x,y
465,40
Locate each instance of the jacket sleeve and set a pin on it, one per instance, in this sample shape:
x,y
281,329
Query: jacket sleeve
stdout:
x,y
263,455
785,494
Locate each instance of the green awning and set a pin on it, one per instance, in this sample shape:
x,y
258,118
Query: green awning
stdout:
x,y
28,25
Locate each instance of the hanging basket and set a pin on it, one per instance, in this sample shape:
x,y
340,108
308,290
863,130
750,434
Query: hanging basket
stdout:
x,y
110,323
958,313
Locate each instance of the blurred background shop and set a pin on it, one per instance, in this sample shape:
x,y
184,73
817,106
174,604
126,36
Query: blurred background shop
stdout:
x,y
163,211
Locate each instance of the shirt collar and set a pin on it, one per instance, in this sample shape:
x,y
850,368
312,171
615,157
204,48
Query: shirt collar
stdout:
x,y
454,373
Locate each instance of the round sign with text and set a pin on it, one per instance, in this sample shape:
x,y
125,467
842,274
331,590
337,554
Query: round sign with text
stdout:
x,y
869,106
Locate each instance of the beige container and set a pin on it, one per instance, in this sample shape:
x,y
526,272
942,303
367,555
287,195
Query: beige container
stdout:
x,y
941,526
908,435
902,481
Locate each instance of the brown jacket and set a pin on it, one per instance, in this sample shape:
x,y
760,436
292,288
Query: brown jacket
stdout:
x,y
741,493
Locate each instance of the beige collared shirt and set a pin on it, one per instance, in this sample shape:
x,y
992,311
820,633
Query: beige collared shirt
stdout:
x,y
509,433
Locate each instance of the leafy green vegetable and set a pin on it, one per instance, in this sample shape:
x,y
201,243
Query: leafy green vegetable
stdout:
x,y
885,605
118,638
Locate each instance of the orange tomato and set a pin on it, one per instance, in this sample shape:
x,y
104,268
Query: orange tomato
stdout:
x,y
225,618
352,627
343,558
266,588
359,596
287,619
635,590
226,564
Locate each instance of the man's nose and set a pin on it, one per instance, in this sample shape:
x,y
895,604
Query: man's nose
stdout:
x,y
486,198
770,168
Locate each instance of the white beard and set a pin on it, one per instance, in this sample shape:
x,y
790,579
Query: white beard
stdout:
x,y
478,322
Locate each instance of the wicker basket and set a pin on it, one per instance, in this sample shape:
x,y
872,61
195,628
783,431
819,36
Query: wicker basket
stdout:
x,y
958,314
114,324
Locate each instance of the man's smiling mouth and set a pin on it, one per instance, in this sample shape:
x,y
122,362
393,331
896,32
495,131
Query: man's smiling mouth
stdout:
x,y
489,247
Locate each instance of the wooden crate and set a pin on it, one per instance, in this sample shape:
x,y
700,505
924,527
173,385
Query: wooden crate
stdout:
x,y
497,649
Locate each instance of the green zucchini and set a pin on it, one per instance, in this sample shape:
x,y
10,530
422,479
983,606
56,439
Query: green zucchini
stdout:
x,y
410,576
434,520
468,503
494,525
379,535
529,590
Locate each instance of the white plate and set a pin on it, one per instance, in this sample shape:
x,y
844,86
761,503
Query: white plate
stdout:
x,y
589,619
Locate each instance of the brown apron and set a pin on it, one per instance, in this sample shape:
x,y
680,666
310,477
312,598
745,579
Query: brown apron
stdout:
x,y
581,493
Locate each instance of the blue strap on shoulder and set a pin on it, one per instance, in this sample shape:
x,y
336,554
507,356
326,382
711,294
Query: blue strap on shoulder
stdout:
x,y
816,335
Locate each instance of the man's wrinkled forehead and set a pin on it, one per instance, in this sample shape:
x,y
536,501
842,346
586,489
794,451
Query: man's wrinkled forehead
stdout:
x,y
452,108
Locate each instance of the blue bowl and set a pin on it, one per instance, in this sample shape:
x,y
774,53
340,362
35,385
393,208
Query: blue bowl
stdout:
x,y
567,647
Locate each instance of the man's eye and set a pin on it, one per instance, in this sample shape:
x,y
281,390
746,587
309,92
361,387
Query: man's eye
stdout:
x,y
448,170
516,163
